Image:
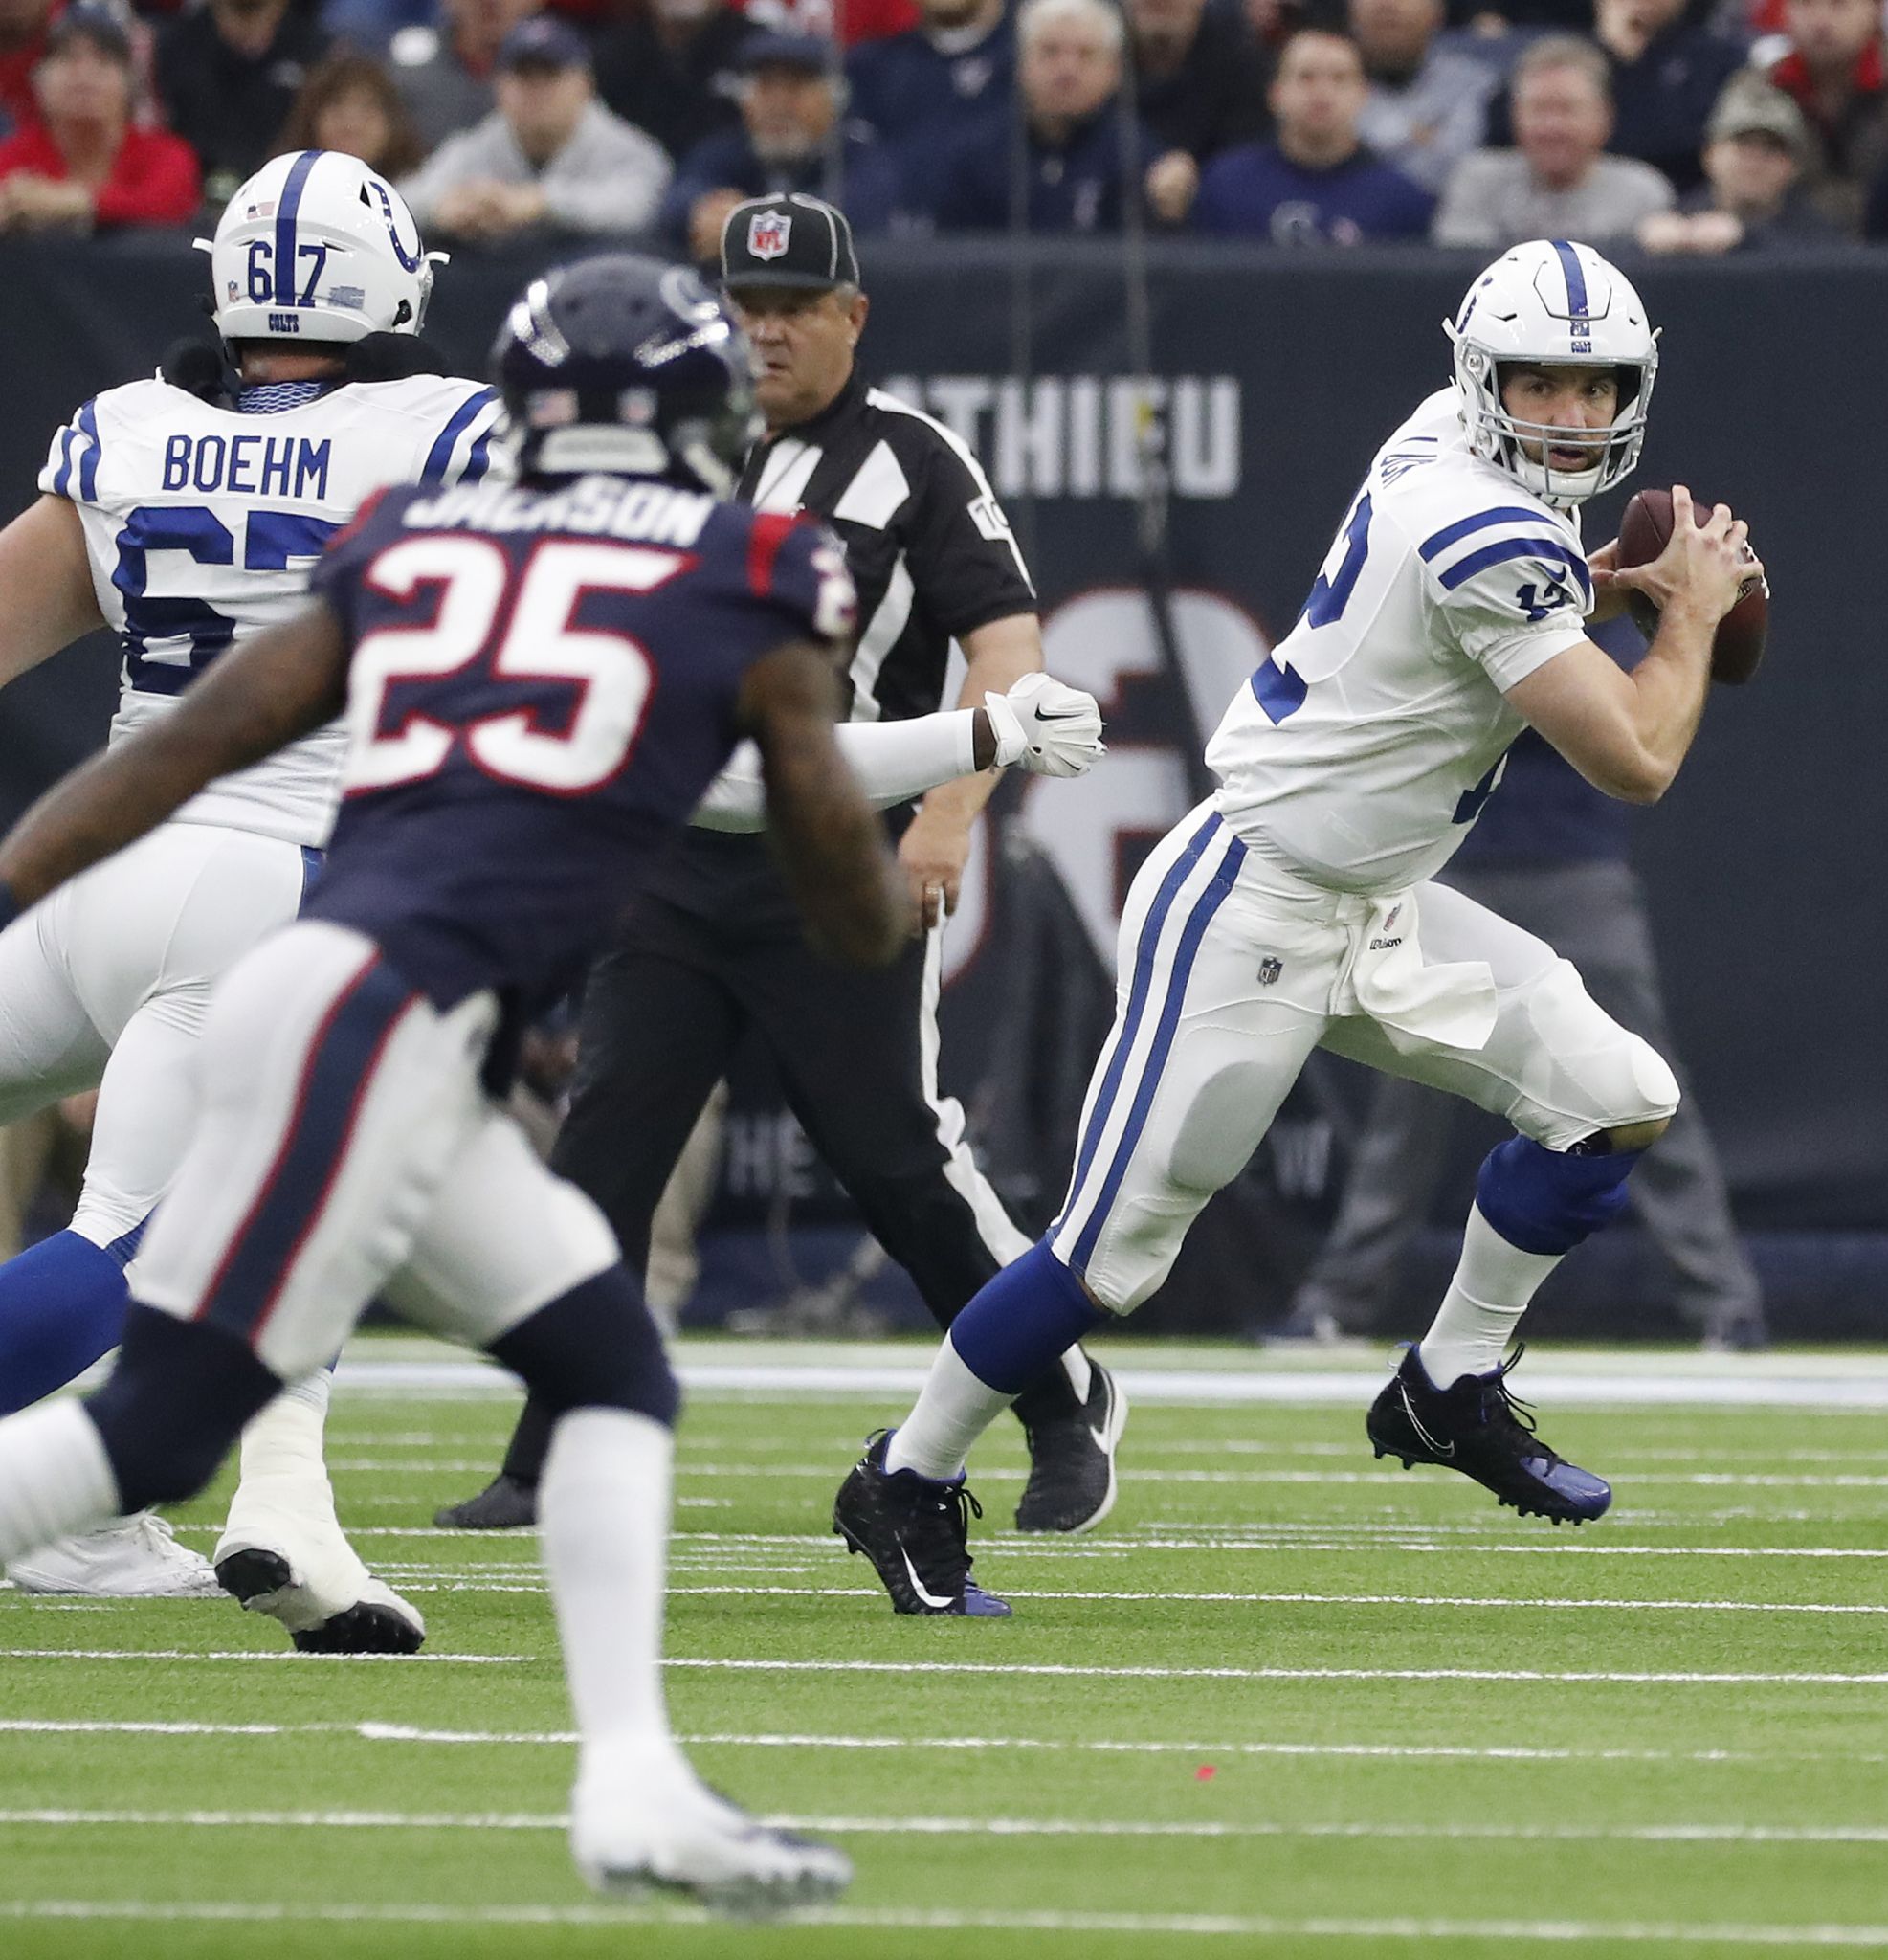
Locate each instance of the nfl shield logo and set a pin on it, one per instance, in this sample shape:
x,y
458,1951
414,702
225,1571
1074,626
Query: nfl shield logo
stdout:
x,y
768,232
1269,970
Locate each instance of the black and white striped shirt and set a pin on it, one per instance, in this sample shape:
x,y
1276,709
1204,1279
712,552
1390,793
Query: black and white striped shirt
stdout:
x,y
931,554
927,541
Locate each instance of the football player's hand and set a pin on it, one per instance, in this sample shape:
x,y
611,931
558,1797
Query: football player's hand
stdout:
x,y
1704,564
1049,728
933,851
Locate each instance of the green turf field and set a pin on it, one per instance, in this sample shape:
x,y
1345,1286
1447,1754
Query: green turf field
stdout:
x,y
1285,1700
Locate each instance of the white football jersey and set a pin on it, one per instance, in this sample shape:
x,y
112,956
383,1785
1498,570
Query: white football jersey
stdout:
x,y
201,523
1364,748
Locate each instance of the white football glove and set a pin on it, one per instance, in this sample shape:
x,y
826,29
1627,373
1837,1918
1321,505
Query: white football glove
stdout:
x,y
1049,728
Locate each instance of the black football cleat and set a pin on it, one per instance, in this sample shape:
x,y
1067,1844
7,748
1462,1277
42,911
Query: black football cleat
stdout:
x,y
1478,1427
506,1505
916,1532
1071,1462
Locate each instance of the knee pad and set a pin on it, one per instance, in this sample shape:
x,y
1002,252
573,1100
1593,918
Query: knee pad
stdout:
x,y
594,1347
1610,1078
175,1404
1548,1201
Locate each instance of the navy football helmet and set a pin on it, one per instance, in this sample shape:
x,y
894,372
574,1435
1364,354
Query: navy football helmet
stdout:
x,y
625,365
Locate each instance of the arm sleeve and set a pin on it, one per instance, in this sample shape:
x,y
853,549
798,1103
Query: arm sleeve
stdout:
x,y
1513,602
894,762
460,453
963,557
71,464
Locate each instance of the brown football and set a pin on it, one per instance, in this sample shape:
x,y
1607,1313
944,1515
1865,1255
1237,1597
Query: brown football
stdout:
x,y
1738,649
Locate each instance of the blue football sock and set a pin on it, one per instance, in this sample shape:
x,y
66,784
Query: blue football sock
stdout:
x,y
1014,1332
62,1305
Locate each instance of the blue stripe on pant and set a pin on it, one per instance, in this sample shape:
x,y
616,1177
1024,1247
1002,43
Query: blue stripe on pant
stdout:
x,y
1145,948
337,1076
1173,1002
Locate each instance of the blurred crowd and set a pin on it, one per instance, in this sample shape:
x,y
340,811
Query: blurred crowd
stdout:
x,y
1702,127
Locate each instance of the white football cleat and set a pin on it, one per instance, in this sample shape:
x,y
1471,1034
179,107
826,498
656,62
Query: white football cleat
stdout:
x,y
282,1551
130,1558
647,1819
299,1569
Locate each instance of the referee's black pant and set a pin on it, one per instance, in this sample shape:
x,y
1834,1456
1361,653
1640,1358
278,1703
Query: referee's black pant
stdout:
x,y
856,1054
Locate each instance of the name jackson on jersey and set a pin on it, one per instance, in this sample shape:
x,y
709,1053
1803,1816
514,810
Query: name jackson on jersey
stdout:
x,y
202,522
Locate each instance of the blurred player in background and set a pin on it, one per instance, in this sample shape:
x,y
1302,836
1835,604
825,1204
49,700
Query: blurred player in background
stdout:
x,y
541,681
183,513
1296,910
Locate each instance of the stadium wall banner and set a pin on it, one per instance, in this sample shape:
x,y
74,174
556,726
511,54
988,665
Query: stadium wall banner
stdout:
x,y
1218,477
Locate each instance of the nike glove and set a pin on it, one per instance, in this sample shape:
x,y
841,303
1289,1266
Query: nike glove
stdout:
x,y
1049,728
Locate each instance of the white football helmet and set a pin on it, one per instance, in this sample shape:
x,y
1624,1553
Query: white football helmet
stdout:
x,y
315,247
1552,304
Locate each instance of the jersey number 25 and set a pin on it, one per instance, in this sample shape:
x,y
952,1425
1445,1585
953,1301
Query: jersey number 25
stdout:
x,y
610,668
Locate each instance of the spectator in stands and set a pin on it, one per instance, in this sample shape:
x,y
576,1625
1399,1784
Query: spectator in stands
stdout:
x,y
549,157
674,70
1199,74
1666,77
1835,71
1753,195
23,25
350,104
1315,183
229,74
445,71
1559,182
922,92
1428,104
80,163
1069,56
790,138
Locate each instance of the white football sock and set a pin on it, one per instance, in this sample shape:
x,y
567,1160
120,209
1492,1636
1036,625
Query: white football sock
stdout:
x,y
604,1507
1485,1301
1081,1372
284,1476
954,1410
54,1477
285,1439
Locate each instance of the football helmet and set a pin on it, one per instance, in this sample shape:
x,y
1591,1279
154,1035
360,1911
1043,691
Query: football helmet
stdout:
x,y
1553,304
315,247
625,364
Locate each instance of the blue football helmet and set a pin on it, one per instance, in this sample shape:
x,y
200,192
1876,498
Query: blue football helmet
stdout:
x,y
625,365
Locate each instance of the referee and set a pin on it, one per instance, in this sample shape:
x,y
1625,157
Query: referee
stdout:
x,y
717,946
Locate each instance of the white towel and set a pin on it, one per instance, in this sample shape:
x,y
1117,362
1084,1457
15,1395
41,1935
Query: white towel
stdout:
x,y
1451,1005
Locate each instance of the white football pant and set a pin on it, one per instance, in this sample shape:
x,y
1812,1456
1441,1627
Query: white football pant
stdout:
x,y
106,984
1232,969
344,1147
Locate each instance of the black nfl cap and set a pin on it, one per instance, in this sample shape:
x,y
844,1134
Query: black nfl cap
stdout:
x,y
793,240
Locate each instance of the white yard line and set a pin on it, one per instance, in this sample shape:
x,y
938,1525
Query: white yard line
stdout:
x,y
254,1653
1059,1669
1205,1925
832,1473
1412,1538
400,1732
520,1579
1838,1384
68,1819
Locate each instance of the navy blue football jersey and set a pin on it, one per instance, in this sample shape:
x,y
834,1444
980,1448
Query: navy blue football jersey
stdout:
x,y
542,684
